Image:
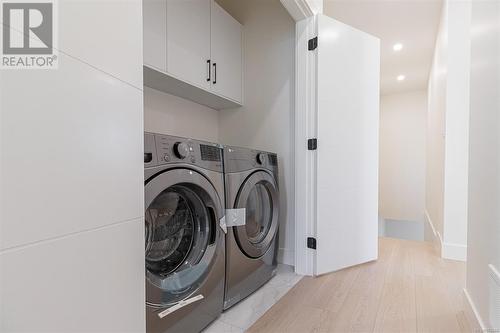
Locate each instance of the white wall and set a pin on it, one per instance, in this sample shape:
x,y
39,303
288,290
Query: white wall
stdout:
x,y
71,223
448,123
402,156
434,199
483,243
266,120
168,114
457,131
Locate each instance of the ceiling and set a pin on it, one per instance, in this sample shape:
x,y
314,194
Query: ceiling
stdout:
x,y
414,23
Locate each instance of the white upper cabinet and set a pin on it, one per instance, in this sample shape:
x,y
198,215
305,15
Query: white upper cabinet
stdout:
x,y
192,49
188,41
226,54
154,13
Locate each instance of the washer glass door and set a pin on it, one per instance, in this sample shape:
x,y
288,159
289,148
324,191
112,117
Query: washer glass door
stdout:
x,y
259,196
180,235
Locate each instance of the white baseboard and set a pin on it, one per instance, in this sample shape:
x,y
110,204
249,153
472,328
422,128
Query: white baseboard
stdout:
x,y
454,251
494,296
436,236
429,222
446,250
286,256
475,320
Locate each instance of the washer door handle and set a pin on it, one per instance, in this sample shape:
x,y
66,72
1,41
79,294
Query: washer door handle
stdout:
x,y
179,305
213,225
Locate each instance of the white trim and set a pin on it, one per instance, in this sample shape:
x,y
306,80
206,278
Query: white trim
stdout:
x,y
298,9
436,241
454,251
286,256
472,314
440,240
495,274
447,250
428,218
494,297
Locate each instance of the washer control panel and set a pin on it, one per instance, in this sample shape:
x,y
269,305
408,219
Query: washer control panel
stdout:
x,y
165,149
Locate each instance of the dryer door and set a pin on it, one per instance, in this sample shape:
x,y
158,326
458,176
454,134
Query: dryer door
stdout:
x,y
259,196
181,234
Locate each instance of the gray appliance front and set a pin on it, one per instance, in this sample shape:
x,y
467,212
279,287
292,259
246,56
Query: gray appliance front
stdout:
x,y
251,249
184,251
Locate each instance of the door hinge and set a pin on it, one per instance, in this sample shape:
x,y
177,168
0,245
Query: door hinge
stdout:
x,y
312,44
312,144
311,243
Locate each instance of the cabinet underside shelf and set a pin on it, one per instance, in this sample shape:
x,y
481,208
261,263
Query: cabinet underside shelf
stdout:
x,y
161,81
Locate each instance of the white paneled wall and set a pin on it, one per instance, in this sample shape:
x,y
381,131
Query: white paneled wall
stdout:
x,y
86,282
104,34
71,228
70,152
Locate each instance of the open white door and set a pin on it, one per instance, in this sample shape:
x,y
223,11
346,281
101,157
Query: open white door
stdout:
x,y
347,115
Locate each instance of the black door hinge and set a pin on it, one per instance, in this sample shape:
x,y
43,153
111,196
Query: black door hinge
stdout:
x,y
312,144
311,243
312,44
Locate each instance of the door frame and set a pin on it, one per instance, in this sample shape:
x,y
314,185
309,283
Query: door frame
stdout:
x,y
305,160
303,12
301,9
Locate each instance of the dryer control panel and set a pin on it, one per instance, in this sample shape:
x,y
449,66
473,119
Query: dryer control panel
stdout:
x,y
238,159
165,149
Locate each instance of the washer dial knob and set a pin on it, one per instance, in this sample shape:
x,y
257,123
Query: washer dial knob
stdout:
x,y
181,150
261,158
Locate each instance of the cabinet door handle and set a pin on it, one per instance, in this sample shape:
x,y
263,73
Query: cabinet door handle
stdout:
x,y
209,78
215,73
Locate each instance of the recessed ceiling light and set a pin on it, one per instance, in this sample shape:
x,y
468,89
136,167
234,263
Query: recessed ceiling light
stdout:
x,y
401,77
397,47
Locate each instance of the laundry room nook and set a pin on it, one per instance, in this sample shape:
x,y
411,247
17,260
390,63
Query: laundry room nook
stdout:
x,y
263,166
232,78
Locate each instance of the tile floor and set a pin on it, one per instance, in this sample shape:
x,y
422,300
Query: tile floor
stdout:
x,y
241,316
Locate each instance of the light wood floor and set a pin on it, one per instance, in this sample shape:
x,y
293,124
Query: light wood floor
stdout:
x,y
408,289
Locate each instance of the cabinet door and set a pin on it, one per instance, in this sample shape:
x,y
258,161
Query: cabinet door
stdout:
x,y
155,33
226,54
188,41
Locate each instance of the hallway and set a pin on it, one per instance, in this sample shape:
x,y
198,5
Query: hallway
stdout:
x,y
409,289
